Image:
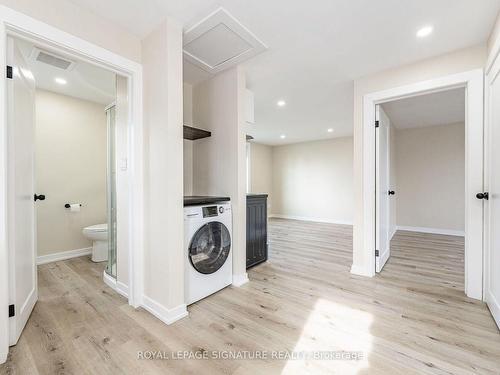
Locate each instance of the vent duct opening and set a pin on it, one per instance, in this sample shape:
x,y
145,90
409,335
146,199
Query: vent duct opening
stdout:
x,y
52,59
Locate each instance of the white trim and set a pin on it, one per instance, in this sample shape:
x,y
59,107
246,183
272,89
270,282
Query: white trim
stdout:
x,y
492,76
63,255
313,219
383,258
360,271
49,37
167,316
393,232
493,306
117,286
472,81
448,232
239,280
495,51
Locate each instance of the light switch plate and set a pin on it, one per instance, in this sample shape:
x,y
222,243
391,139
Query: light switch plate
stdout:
x,y
123,164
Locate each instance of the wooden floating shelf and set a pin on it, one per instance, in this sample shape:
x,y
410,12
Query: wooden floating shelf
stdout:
x,y
195,133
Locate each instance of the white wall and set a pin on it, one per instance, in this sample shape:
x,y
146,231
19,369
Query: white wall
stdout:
x,y
219,162
313,180
455,62
261,171
188,145
70,168
430,169
82,23
164,253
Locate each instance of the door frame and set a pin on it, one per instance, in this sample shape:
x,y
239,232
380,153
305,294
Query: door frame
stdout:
x,y
491,73
473,82
16,24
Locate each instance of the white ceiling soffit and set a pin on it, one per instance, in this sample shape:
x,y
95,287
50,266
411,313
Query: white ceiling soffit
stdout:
x,y
439,108
220,41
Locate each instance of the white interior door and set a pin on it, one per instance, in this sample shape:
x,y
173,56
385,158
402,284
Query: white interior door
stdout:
x,y
23,290
382,179
492,186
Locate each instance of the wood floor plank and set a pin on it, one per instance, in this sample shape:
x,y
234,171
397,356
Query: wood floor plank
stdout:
x,y
412,318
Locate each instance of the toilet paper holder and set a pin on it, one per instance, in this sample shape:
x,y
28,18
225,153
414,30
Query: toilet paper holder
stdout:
x,y
67,205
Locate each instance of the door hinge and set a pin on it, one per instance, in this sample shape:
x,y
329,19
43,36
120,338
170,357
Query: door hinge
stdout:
x,y
12,311
10,73
377,253
376,123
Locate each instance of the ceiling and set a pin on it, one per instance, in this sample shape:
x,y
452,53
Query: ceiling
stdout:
x,y
317,48
441,108
84,80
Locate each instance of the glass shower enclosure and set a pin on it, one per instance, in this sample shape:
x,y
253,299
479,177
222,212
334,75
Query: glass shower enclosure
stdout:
x,y
111,189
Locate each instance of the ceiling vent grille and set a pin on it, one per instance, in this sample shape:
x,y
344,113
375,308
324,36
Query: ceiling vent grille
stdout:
x,y
220,41
52,59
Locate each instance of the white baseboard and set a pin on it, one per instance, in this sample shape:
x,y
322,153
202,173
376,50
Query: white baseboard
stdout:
x,y
494,307
239,280
3,356
361,271
394,230
63,255
122,289
448,232
314,219
116,285
167,316
384,257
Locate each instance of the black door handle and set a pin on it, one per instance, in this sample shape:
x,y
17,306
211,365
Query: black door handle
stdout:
x,y
40,197
484,195
391,192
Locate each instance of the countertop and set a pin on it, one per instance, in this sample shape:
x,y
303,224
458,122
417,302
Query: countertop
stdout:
x,y
197,200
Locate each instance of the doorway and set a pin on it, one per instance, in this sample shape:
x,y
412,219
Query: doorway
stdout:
x,y
61,153
420,174
472,82
130,163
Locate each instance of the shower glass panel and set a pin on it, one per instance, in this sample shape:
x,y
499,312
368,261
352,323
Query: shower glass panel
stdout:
x,y
111,192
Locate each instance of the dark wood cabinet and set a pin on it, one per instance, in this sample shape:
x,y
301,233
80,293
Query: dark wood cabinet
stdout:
x,y
256,229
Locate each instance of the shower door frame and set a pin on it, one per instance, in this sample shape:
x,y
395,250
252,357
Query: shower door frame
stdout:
x,y
18,25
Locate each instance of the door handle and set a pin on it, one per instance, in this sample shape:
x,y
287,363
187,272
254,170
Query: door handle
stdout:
x,y
391,192
484,195
40,197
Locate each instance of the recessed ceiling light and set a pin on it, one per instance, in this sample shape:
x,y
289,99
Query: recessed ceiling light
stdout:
x,y
281,103
282,136
61,81
424,31
330,130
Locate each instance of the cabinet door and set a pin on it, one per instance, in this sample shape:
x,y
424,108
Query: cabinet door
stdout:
x,y
256,230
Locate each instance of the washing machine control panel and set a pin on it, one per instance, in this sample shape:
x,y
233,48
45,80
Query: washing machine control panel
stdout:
x,y
209,211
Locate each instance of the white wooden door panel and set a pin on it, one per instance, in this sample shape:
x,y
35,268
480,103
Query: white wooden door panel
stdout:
x,y
21,213
382,179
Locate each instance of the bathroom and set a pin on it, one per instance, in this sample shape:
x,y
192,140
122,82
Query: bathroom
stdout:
x,y
75,163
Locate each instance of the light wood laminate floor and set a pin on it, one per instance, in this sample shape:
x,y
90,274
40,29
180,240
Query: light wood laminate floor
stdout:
x,y
413,318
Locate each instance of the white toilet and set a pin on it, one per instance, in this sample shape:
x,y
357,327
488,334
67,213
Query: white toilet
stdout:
x,y
98,234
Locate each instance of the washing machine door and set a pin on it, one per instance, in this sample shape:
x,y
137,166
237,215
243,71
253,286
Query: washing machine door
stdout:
x,y
209,247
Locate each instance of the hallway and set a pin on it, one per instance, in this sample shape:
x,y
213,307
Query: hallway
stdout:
x,y
412,319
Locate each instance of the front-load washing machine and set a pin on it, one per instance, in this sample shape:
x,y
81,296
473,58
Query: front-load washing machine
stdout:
x,y
209,263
